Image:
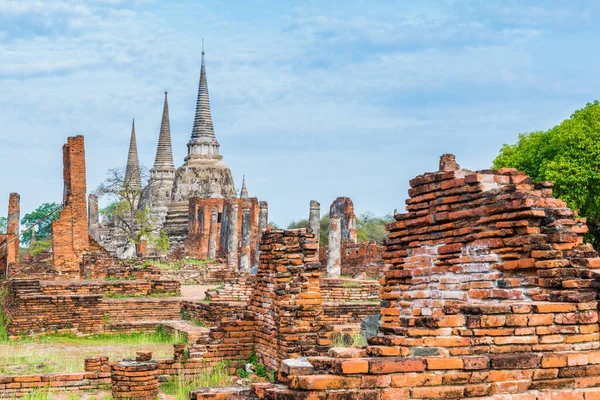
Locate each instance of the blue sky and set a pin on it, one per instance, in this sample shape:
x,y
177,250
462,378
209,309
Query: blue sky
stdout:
x,y
310,99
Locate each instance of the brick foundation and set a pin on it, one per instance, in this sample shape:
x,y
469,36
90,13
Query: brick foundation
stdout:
x,y
135,380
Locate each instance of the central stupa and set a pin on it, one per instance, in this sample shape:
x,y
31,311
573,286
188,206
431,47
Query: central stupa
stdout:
x,y
203,173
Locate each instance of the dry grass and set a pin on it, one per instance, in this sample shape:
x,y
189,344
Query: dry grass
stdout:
x,y
65,353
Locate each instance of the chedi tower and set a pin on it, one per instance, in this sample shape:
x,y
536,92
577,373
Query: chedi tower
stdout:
x,y
203,174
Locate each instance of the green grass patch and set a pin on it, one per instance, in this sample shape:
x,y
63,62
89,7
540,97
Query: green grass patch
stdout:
x,y
116,278
180,385
129,296
65,353
199,323
178,265
352,284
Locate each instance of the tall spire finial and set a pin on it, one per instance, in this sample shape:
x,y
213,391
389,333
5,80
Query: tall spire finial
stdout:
x,y
164,152
133,179
203,141
244,191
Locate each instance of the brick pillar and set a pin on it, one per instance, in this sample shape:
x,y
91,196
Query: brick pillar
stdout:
x,y
212,234
245,254
135,380
286,300
334,251
12,228
93,219
314,218
70,231
232,240
343,207
263,220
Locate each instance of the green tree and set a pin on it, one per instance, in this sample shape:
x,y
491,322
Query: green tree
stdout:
x,y
370,228
3,221
569,155
137,223
46,213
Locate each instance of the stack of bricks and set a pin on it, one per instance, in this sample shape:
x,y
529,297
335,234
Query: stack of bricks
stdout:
x,y
342,313
287,302
333,289
212,312
70,237
232,339
238,290
490,293
135,380
111,287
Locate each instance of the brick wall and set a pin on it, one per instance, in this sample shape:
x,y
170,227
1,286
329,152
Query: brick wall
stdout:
x,y
359,260
70,231
340,313
211,313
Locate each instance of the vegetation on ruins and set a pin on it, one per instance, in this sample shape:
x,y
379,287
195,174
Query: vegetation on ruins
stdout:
x,y
254,366
569,155
3,221
369,227
45,214
181,385
123,212
39,245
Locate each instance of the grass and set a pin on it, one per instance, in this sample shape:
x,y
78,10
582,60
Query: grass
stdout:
x,y
47,394
64,353
199,323
129,296
4,319
180,385
177,265
352,284
116,278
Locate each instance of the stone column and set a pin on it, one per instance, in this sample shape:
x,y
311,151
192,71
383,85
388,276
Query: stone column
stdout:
x,y
263,221
93,219
232,242
334,252
314,218
212,234
245,256
12,228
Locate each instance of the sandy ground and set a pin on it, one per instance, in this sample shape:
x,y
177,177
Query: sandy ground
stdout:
x,y
195,292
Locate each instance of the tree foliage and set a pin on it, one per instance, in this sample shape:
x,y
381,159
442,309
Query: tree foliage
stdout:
x,y
123,212
3,221
569,155
368,228
44,228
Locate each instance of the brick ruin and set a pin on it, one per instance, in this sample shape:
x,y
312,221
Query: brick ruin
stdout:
x,y
226,229
70,231
490,293
344,256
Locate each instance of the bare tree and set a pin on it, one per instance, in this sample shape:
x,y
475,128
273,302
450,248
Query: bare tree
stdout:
x,y
124,213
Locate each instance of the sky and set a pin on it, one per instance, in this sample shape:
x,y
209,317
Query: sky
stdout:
x,y
310,99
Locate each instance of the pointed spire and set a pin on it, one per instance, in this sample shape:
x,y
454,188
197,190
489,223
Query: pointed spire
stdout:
x,y
244,191
132,172
164,152
203,141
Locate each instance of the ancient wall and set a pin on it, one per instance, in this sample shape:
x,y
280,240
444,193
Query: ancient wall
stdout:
x,y
96,375
70,231
87,306
490,292
287,302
